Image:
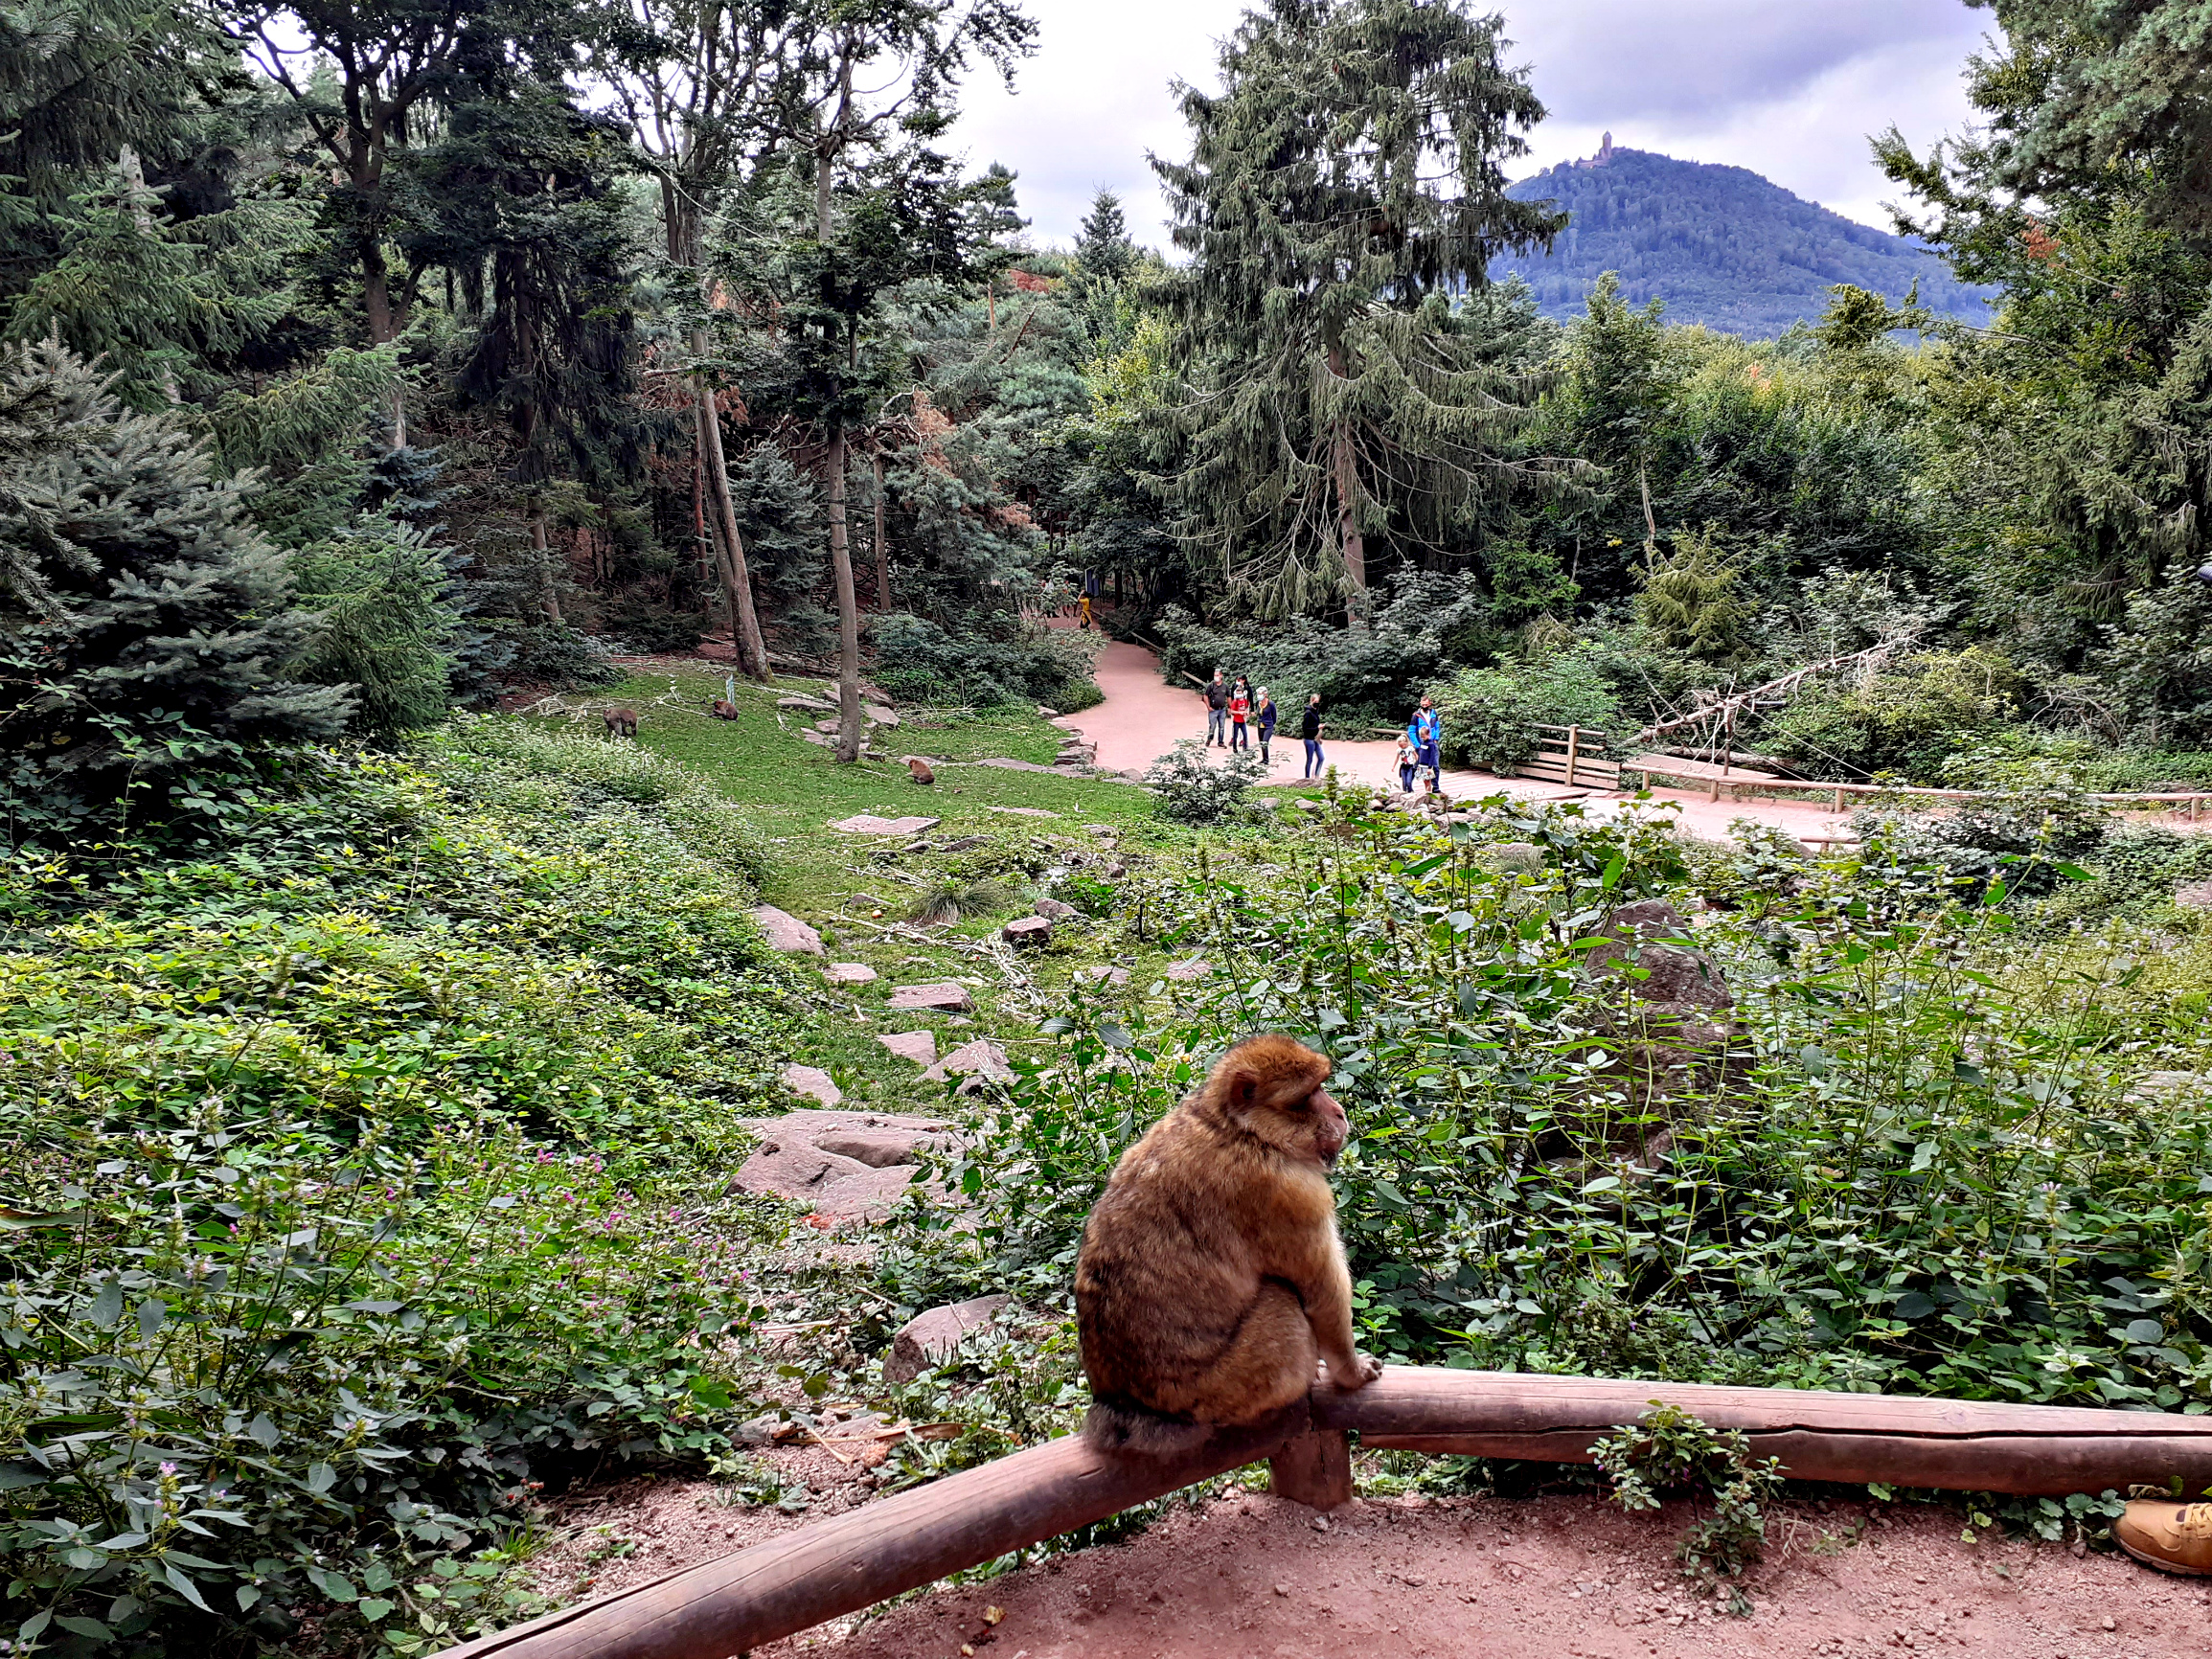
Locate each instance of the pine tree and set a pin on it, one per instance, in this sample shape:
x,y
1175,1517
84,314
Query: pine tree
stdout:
x,y
1105,249
1689,603
388,626
1344,184
146,628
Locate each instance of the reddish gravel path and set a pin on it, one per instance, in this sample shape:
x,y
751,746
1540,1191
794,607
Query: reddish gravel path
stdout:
x,y
1559,1577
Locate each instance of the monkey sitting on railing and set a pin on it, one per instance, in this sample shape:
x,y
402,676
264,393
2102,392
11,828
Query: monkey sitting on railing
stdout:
x,y
1211,1280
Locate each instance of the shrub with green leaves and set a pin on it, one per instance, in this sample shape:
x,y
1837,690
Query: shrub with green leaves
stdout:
x,y
986,660
1195,789
1490,715
364,1174
1668,1452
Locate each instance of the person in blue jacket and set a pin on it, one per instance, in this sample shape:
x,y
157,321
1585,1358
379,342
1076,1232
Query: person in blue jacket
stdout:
x,y
1425,731
1264,716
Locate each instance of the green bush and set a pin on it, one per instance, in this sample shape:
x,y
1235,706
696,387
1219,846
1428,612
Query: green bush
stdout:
x,y
1908,720
1192,788
356,1178
1490,715
988,660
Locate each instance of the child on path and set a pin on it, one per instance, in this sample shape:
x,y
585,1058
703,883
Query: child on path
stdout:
x,y
1240,712
1408,760
1309,729
1264,716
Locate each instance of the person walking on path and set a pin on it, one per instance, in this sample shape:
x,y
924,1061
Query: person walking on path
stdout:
x,y
1426,730
1216,711
1091,590
1240,712
1309,729
1264,716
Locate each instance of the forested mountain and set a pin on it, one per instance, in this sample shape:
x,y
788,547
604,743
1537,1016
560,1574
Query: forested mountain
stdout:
x,y
1721,245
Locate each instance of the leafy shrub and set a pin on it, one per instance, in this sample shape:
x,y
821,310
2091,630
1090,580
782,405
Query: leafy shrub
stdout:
x,y
355,1176
1490,715
655,628
990,659
1669,1450
1194,789
1908,720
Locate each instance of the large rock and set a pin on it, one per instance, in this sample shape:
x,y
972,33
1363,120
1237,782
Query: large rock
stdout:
x,y
813,1080
917,1046
786,932
877,715
810,1157
944,998
980,1059
1027,931
930,1340
868,824
1053,910
1681,981
849,973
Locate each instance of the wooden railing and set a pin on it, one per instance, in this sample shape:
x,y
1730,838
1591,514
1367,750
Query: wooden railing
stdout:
x,y
1835,793
789,1583
1574,756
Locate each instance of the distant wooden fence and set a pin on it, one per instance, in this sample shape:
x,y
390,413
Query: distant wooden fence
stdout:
x,y
789,1583
1647,768
1574,756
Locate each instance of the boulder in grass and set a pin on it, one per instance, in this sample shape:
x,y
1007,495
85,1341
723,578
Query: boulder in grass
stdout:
x,y
845,1165
932,1339
944,998
813,1080
980,1059
877,715
1104,974
786,932
849,973
1027,931
1053,910
917,1046
868,824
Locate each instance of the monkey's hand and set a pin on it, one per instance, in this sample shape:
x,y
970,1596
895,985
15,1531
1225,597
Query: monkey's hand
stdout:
x,y
1363,1370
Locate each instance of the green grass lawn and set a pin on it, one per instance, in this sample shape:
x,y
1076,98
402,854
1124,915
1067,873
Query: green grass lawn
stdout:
x,y
792,789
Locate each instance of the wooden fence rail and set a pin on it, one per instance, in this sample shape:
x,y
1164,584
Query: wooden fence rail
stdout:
x,y
755,1596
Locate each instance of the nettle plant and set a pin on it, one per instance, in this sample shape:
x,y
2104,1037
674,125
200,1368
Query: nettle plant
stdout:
x,y
1914,1159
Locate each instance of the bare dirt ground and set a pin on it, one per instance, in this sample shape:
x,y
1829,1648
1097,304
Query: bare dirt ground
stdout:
x,y
1552,1578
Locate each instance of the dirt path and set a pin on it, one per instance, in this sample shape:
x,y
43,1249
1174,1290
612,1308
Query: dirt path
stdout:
x,y
1143,718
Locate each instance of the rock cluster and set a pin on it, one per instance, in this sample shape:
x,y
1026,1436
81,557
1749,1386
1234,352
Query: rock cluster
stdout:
x,y
848,1166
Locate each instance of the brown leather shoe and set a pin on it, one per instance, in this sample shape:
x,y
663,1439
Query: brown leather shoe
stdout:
x,y
2170,1537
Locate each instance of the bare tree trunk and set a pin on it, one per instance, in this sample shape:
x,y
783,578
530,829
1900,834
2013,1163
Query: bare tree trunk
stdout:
x,y
541,545
1348,532
882,549
748,648
376,307
848,610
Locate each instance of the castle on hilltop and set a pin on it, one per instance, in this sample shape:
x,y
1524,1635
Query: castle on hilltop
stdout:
x,y
1605,155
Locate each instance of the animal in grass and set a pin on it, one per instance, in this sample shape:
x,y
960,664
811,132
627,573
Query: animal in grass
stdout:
x,y
724,709
1211,1280
919,767
620,722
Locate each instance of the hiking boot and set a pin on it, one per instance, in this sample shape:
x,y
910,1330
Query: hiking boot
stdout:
x,y
2170,1537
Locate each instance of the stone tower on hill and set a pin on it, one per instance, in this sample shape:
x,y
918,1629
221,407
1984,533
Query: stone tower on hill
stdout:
x,y
1604,153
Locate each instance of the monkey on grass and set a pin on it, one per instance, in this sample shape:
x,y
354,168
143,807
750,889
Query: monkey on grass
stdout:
x,y
1211,1280
919,767
620,722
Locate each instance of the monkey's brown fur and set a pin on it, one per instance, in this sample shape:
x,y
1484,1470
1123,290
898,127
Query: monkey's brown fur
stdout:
x,y
724,709
620,722
919,767
1211,1278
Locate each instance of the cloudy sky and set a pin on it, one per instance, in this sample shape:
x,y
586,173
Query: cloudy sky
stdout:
x,y
1788,88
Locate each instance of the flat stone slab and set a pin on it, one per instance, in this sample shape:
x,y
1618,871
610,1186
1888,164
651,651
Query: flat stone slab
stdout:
x,y
829,1160
877,715
1196,968
849,973
1025,811
947,998
1101,974
980,1059
917,1046
928,1340
1007,765
807,705
786,933
868,824
813,1080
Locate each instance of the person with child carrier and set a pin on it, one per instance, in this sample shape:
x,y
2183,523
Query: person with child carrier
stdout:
x,y
1426,732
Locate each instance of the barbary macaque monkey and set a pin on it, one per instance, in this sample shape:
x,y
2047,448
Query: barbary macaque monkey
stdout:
x,y
1211,1279
620,722
724,709
919,767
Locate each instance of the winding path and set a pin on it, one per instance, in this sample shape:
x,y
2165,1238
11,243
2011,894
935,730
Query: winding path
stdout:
x,y
1143,718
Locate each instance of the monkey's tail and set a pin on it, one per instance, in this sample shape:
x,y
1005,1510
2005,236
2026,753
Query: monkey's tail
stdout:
x,y
1122,1425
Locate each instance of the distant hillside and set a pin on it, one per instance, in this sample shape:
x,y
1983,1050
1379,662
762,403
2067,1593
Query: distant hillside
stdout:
x,y
1720,244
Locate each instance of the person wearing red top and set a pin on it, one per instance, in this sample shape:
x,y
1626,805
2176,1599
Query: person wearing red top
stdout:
x,y
1239,713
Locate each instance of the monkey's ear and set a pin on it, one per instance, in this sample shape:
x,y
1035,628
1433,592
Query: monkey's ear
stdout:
x,y
1244,1090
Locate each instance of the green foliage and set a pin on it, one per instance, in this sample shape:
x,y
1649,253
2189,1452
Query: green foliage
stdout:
x,y
388,626
1689,603
1669,1451
988,659
146,627
1195,789
1490,715
1907,719
334,1152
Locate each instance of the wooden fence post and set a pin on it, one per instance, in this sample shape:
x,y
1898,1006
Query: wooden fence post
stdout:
x,y
1574,751
1314,1469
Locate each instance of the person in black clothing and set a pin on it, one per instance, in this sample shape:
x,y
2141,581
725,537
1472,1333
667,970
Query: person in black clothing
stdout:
x,y
1309,729
1216,711
1264,716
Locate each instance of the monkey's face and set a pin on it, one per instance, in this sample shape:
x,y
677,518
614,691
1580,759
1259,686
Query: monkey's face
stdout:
x,y
1331,1128
1310,1125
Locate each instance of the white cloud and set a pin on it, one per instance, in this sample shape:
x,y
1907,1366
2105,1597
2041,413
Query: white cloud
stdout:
x,y
1788,89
